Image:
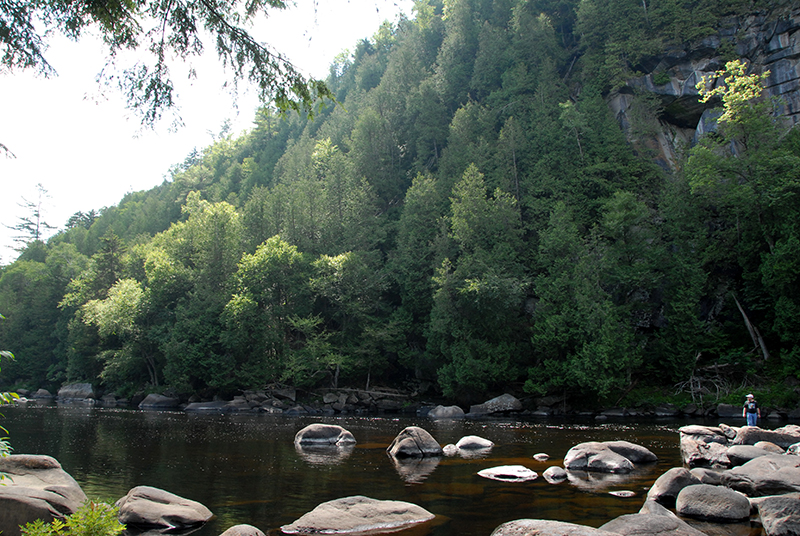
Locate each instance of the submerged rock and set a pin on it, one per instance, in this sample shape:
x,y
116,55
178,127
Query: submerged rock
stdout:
x,y
358,514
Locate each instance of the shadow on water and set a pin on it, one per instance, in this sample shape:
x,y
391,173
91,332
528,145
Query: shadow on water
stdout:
x,y
246,469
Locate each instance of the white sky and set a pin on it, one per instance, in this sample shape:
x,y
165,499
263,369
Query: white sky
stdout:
x,y
87,150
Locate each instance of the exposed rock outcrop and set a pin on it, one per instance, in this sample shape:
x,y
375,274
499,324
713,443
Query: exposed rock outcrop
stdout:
x,y
414,442
607,457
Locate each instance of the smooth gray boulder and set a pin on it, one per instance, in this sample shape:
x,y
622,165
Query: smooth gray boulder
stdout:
x,y
474,442
78,391
318,434
653,508
780,516
770,446
43,394
773,474
783,437
156,401
37,488
741,454
500,404
666,488
243,530
554,474
712,503
446,412
414,442
153,507
635,453
707,476
544,527
596,456
358,514
650,525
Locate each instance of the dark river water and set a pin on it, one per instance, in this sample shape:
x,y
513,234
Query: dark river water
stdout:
x,y
246,469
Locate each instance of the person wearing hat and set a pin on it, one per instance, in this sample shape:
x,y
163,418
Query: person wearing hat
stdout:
x,y
751,411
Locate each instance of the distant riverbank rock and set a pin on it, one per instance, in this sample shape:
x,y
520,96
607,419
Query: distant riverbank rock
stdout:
x,y
153,507
156,401
38,488
77,391
318,434
712,503
607,457
358,514
43,394
502,404
509,473
544,527
773,474
446,412
414,442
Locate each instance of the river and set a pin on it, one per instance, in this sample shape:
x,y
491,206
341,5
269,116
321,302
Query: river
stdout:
x,y
245,467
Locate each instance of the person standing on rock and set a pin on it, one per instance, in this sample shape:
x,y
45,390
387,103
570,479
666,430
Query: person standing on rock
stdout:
x,y
751,411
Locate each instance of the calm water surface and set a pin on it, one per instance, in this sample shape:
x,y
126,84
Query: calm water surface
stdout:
x,y
246,469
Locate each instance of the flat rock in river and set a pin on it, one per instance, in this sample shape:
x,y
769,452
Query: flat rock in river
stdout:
x,y
773,474
358,514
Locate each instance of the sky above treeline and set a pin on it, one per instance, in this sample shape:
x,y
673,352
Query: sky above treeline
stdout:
x,y
85,148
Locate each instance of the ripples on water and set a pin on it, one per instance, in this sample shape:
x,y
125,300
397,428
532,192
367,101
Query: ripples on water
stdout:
x,y
246,469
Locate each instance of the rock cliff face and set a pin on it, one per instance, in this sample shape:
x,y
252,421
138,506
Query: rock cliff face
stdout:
x,y
769,42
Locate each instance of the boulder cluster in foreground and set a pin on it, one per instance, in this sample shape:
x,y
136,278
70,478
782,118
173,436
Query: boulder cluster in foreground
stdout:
x,y
757,480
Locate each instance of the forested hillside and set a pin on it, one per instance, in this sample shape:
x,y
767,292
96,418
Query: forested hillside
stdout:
x,y
469,218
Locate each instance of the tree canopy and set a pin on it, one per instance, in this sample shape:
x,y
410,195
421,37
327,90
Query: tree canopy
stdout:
x,y
160,32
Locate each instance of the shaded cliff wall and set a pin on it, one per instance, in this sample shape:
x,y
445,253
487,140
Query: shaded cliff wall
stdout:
x,y
769,42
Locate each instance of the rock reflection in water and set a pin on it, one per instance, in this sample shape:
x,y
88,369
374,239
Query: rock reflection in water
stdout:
x,y
598,482
414,470
324,455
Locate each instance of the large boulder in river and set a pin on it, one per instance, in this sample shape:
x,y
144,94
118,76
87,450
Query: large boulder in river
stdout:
x,y
741,454
606,457
38,488
414,442
324,435
651,525
783,437
666,488
358,514
704,446
500,404
780,516
773,474
712,503
473,442
243,530
152,507
544,527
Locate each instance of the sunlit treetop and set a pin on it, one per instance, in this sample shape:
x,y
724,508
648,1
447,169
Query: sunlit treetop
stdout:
x,y
162,31
737,91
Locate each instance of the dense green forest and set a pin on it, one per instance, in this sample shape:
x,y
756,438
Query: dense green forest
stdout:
x,y
469,218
